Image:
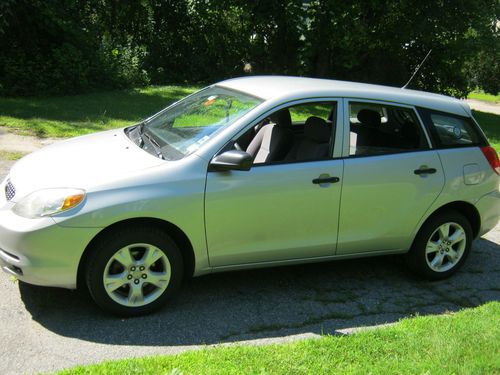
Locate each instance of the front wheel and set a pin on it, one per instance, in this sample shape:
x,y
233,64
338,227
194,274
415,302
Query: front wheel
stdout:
x,y
441,246
134,271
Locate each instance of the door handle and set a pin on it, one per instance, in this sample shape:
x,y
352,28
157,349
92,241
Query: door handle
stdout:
x,y
325,180
422,170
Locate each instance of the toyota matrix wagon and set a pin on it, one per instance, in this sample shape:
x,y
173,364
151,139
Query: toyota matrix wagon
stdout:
x,y
251,172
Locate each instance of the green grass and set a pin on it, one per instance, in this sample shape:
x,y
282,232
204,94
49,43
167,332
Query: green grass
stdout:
x,y
490,123
68,116
479,95
11,155
467,342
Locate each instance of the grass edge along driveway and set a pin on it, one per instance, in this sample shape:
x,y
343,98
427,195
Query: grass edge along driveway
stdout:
x,y
467,342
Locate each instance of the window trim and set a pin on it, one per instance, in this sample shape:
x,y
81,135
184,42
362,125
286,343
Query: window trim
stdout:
x,y
347,127
436,141
334,153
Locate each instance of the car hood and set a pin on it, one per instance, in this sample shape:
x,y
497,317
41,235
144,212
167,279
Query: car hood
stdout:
x,y
81,162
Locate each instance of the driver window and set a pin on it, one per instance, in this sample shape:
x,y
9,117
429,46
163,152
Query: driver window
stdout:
x,y
294,134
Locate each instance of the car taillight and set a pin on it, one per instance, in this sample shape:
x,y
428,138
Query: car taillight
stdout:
x,y
491,155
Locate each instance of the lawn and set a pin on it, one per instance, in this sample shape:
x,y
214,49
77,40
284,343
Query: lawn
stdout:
x,y
68,116
479,95
467,342
490,123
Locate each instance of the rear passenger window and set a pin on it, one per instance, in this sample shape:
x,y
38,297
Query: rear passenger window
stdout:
x,y
377,129
453,131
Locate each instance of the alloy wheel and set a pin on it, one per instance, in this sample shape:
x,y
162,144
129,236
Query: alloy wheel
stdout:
x,y
137,275
445,247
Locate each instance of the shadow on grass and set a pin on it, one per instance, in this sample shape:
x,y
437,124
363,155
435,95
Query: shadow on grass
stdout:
x,y
317,298
126,105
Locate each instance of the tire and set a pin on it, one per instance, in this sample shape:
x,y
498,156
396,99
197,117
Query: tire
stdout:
x,y
143,267
436,256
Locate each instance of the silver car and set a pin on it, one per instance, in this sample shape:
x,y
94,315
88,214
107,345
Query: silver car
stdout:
x,y
251,172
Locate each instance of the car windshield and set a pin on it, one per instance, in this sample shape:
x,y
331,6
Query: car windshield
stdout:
x,y
183,127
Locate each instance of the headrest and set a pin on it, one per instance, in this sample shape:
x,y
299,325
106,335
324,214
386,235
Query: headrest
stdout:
x,y
282,118
369,117
317,130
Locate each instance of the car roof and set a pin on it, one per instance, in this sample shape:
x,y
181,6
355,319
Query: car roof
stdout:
x,y
290,88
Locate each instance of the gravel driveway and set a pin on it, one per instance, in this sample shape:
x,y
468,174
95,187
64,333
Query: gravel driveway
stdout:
x,y
479,105
46,329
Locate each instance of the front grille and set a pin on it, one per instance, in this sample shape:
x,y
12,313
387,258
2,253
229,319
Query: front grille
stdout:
x,y
10,191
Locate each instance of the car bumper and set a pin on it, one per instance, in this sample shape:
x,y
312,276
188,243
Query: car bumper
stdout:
x,y
40,252
489,209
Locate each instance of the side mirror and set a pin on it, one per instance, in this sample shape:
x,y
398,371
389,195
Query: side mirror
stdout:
x,y
232,160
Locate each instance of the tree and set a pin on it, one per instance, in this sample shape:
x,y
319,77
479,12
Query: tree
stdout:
x,y
383,41
65,46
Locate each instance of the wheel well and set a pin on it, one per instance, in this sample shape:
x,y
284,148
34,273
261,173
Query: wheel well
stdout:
x,y
175,232
466,209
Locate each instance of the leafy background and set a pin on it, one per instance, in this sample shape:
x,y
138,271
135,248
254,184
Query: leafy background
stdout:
x,y
73,46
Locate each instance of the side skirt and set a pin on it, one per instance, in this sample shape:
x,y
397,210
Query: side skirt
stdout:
x,y
291,262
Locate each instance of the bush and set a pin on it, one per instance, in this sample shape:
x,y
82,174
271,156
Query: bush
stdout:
x,y
486,72
47,48
122,65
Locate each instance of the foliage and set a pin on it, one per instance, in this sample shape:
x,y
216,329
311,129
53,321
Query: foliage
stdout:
x,y
382,42
485,71
70,46
462,343
46,48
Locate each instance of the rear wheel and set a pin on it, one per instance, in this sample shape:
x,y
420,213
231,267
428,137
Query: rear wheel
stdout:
x,y
134,271
441,246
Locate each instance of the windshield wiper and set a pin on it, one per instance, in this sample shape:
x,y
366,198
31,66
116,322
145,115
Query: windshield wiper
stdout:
x,y
142,125
140,130
154,143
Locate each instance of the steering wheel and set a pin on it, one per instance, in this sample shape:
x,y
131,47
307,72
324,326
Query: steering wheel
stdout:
x,y
237,146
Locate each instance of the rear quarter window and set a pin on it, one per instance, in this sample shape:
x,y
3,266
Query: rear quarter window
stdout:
x,y
450,130
453,131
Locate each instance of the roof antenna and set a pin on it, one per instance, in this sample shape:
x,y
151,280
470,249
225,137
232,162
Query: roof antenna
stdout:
x,y
417,69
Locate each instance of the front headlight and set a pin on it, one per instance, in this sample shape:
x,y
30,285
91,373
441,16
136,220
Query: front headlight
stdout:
x,y
48,202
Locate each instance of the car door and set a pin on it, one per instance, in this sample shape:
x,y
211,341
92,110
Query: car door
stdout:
x,y
275,212
391,177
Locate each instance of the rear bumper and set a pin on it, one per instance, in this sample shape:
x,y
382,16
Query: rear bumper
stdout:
x,y
40,252
489,210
